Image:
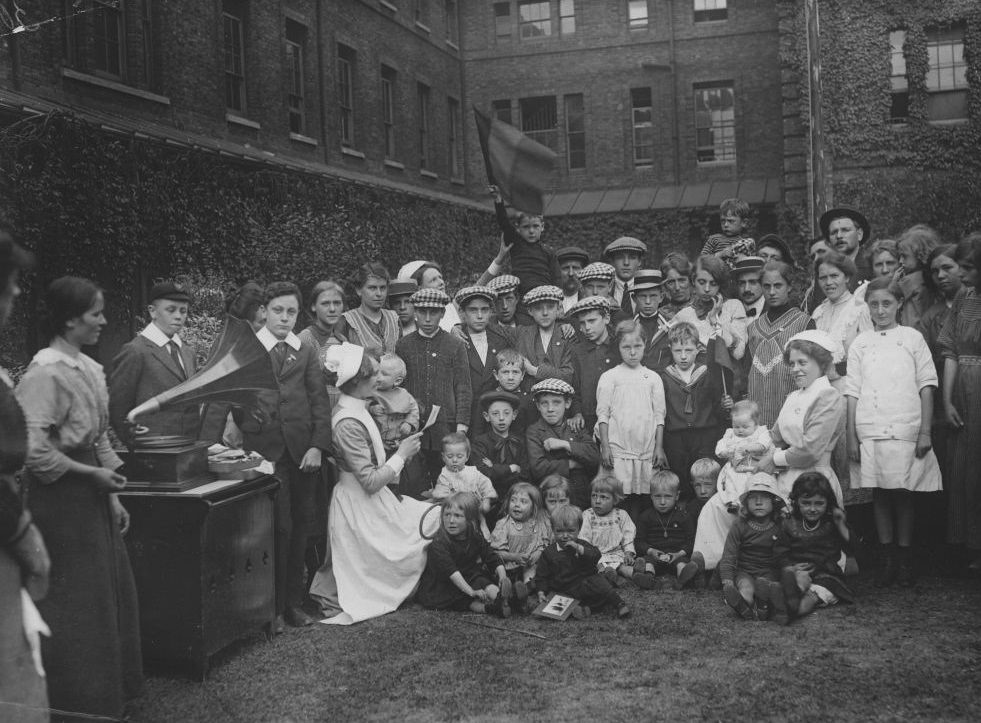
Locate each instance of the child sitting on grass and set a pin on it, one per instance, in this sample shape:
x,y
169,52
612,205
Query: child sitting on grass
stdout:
x,y
555,492
458,476
461,563
611,530
568,567
520,537
749,562
665,535
815,535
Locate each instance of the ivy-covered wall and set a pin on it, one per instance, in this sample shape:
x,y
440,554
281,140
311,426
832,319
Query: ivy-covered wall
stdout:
x,y
898,174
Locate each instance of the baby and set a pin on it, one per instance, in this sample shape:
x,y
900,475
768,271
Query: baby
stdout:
x,y
742,446
395,411
458,476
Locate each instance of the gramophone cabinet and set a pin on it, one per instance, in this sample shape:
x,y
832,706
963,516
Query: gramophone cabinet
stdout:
x,y
204,569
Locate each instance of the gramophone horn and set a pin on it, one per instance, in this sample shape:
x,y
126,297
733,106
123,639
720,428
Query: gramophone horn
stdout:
x,y
239,366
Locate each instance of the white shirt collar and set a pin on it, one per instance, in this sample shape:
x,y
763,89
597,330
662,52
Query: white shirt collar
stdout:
x,y
758,305
269,340
153,333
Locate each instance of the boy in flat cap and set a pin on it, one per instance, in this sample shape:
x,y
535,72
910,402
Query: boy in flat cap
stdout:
x,y
626,254
546,351
505,288
483,343
155,361
593,353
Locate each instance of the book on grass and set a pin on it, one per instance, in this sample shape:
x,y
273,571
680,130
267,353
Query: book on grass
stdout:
x,y
557,607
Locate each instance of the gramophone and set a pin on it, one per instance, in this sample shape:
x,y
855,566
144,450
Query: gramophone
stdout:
x,y
238,369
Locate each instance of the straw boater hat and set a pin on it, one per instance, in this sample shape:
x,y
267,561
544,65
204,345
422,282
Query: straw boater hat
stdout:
x,y
553,386
748,264
543,293
488,398
429,299
402,287
762,482
467,293
590,303
572,252
597,270
646,279
344,360
503,284
625,243
845,212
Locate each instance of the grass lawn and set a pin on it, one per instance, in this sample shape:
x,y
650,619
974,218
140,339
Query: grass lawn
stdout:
x,y
895,655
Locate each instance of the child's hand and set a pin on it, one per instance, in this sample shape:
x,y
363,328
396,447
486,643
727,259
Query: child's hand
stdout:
x,y
553,444
660,459
480,596
542,597
515,469
577,423
804,566
495,192
506,589
567,331
923,445
756,448
854,450
486,462
727,402
838,515
606,455
575,547
628,557
726,584
405,429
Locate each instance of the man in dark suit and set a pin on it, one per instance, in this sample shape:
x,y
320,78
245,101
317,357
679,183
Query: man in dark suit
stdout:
x,y
294,433
484,341
155,361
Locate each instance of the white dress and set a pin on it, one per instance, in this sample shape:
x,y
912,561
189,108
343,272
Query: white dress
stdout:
x,y
377,553
887,370
631,403
741,462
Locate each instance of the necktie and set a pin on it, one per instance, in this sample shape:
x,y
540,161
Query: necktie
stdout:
x,y
175,353
280,354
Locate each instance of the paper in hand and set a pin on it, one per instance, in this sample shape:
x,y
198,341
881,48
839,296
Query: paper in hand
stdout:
x,y
431,420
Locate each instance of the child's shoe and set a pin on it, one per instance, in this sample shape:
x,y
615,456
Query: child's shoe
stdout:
x,y
623,611
734,600
778,602
905,574
791,593
520,597
762,609
611,576
644,580
888,572
640,565
689,571
581,612
499,607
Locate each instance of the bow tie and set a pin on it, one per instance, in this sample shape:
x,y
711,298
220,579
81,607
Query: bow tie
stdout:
x,y
505,446
751,312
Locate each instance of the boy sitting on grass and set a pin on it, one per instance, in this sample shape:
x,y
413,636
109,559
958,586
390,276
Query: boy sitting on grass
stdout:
x,y
665,535
458,476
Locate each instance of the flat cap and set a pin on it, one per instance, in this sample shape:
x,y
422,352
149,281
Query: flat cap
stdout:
x,y
646,279
402,287
543,293
504,283
597,270
553,386
474,292
169,290
590,303
572,252
488,398
625,243
429,299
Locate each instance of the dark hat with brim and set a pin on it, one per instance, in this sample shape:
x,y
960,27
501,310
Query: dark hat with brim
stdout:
x,y
402,287
169,290
845,212
488,398
771,239
572,252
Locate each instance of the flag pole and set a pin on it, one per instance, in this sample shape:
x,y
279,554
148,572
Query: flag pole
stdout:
x,y
483,132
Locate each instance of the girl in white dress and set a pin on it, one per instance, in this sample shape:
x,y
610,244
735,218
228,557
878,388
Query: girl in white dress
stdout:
x,y
630,417
890,385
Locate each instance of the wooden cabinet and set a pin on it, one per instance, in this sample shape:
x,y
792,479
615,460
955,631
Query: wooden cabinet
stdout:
x,y
204,568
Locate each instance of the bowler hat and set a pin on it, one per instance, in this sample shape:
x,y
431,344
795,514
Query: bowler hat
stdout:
x,y
845,212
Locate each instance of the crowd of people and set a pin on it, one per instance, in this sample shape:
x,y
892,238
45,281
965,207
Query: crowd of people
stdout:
x,y
563,425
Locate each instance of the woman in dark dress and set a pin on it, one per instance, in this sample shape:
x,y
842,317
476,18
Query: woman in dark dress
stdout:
x,y
92,659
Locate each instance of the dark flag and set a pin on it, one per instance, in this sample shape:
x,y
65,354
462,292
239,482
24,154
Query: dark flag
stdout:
x,y
720,362
517,165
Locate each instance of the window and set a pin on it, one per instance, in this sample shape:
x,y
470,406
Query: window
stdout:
x,y
540,121
422,12
715,123
643,125
455,137
709,10
452,22
96,33
534,20
345,92
946,79
422,96
295,39
233,19
388,109
899,111
502,111
567,17
637,14
502,20
575,132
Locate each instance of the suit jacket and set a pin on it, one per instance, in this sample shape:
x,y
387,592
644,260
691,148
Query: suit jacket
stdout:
x,y
482,373
297,417
554,362
142,370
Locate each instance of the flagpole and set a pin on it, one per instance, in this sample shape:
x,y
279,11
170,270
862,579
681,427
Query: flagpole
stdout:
x,y
481,120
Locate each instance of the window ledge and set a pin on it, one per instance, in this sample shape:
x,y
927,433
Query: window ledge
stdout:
x,y
951,122
300,138
423,27
427,174
457,181
238,120
388,6
713,164
114,85
453,45
389,163
352,152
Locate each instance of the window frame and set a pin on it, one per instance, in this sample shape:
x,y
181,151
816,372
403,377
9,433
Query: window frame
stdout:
x,y
235,79
958,87
502,108
346,64
296,87
573,136
728,143
567,12
639,128
503,25
543,24
455,137
639,22
389,78
452,14
714,14
424,111
548,137
898,77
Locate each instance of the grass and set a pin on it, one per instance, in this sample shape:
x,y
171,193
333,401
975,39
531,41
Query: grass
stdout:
x,y
895,655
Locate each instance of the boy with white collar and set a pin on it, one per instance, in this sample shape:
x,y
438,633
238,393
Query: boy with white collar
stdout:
x,y
155,361
295,434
